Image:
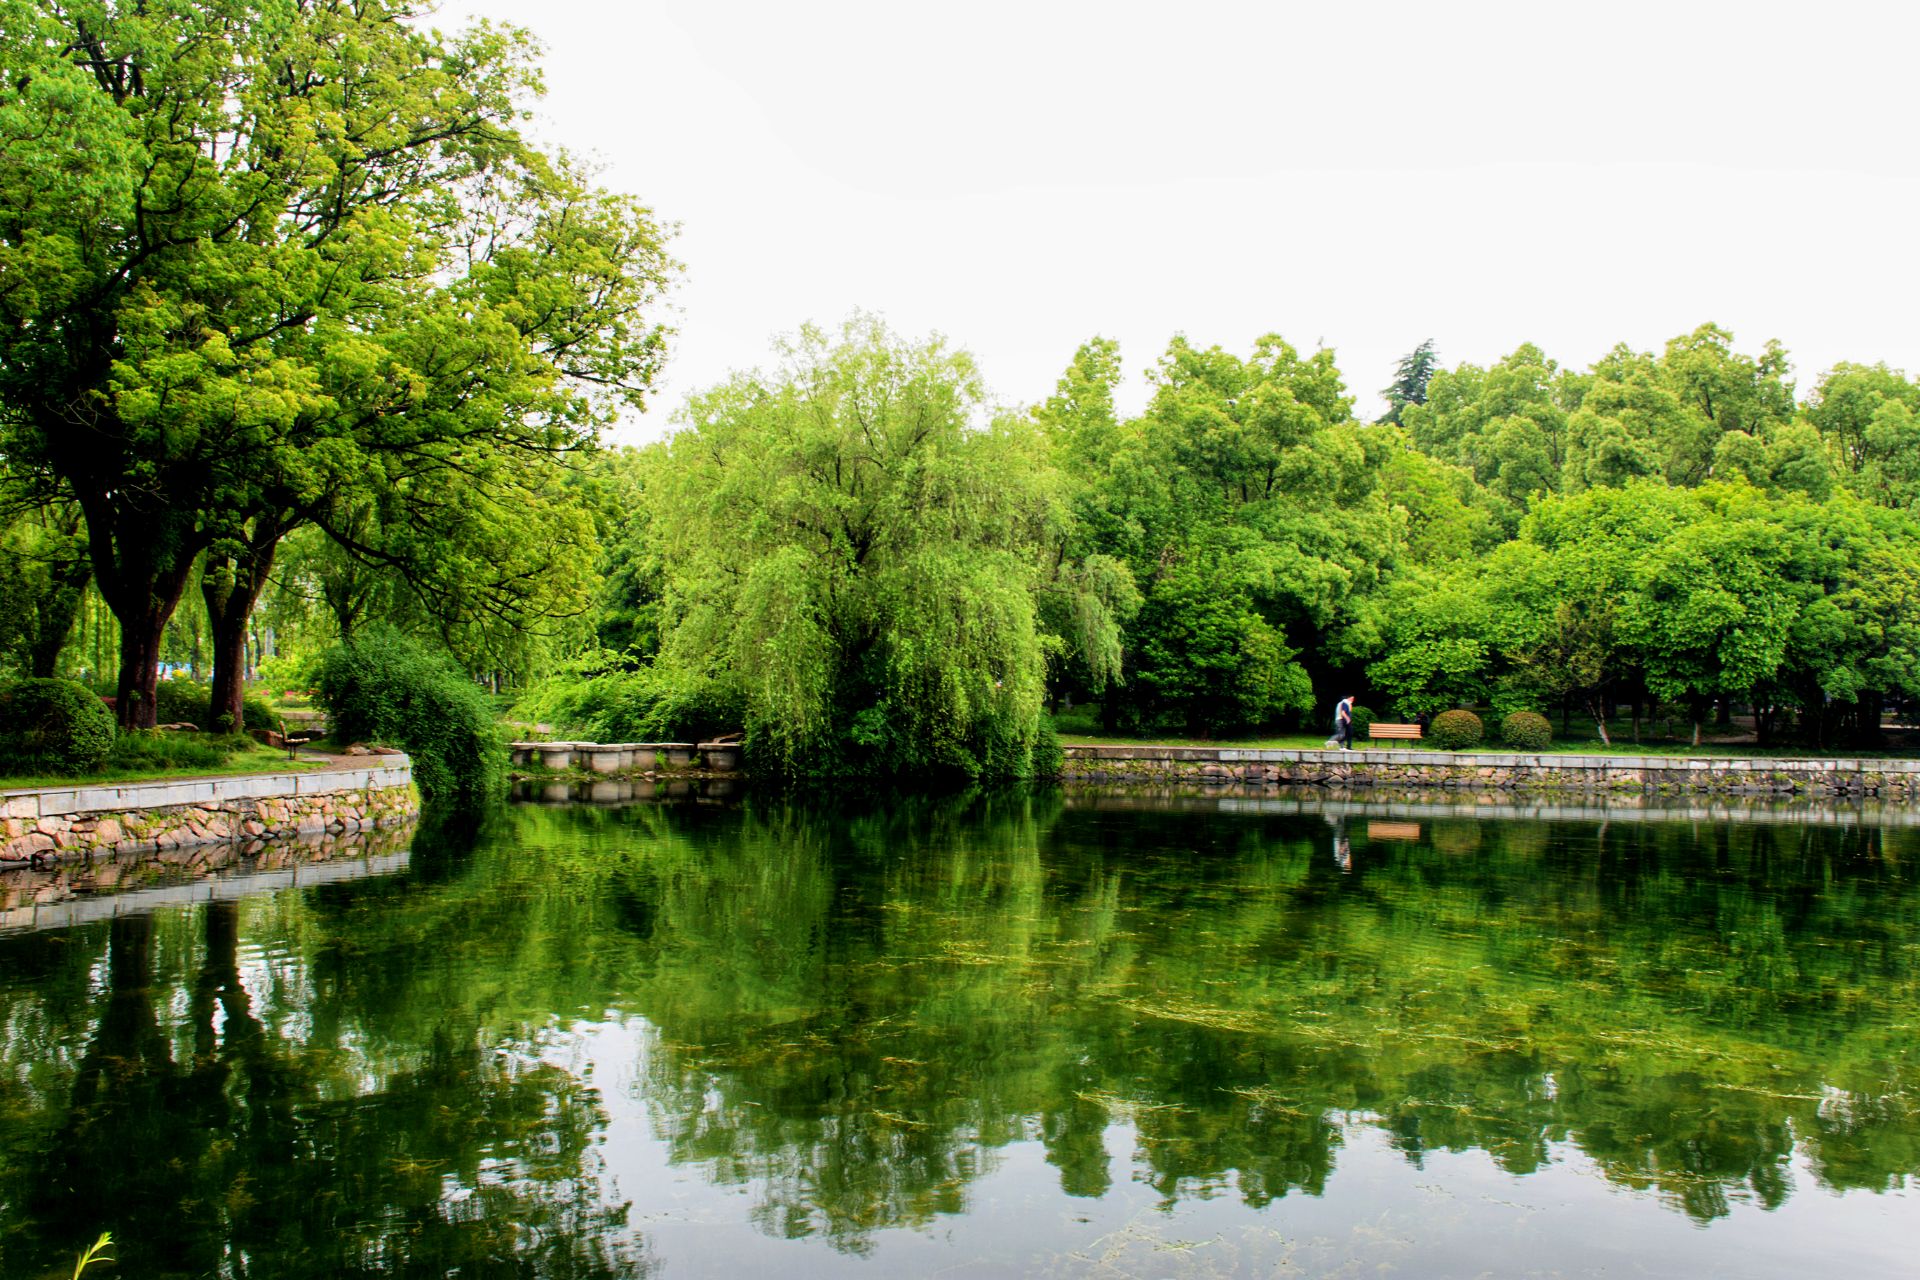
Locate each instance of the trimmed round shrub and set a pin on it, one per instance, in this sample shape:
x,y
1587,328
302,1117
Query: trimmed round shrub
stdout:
x,y
53,725
385,687
1456,730
1526,731
1363,718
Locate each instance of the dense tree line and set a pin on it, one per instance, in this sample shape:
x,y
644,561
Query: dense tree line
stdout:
x,y
858,559
859,562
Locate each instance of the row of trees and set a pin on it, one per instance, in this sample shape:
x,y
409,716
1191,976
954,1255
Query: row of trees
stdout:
x,y
854,556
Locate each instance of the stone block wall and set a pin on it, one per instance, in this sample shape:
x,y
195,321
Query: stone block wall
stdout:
x,y
635,759
75,821
1485,771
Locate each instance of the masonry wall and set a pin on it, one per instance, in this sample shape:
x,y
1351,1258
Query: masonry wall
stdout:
x,y
64,821
1897,779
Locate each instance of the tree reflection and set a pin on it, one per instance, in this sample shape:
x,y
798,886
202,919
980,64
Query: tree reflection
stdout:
x,y
226,1150
856,1005
1683,1017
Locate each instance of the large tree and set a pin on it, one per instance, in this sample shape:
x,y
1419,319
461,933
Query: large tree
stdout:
x,y
1410,378
853,554
263,261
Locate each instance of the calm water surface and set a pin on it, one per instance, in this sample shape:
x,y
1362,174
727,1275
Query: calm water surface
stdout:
x,y
992,1035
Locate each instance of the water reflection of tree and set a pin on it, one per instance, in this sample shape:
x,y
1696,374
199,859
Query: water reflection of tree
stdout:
x,y
859,1005
1681,1016
247,1153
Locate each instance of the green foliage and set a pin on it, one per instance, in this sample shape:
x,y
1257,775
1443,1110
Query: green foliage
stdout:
x,y
1456,730
1207,661
95,1252
53,726
44,573
303,266
1664,528
145,750
856,559
1049,757
189,702
1437,633
600,702
1363,718
1410,379
1526,731
1506,425
284,674
385,687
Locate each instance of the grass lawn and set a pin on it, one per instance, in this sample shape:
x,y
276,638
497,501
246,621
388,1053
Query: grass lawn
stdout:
x,y
257,759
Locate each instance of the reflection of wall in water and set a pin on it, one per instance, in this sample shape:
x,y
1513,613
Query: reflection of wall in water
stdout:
x,y
114,885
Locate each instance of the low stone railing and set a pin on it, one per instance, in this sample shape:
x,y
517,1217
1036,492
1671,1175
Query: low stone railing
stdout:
x,y
41,822
626,757
1497,771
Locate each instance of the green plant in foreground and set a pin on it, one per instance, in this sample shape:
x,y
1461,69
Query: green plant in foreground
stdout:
x,y
94,1254
55,725
384,687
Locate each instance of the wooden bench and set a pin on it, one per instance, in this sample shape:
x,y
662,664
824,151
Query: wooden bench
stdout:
x,y
1378,730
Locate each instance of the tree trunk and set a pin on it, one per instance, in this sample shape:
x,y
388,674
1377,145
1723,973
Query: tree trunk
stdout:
x,y
139,669
141,563
227,712
230,589
1598,709
1867,719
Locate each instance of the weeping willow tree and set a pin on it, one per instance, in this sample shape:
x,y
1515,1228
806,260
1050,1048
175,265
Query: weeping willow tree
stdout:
x,y
856,558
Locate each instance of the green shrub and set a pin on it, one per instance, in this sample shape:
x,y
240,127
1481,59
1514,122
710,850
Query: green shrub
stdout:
x,y
284,675
1526,731
640,705
1049,759
145,751
53,726
1456,730
190,702
1363,718
384,687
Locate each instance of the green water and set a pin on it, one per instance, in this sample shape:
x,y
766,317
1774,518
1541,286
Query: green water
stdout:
x,y
992,1035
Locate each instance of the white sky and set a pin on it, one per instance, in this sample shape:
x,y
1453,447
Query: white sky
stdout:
x,y
1020,177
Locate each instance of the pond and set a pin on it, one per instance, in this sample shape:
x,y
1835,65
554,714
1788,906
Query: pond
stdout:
x,y
991,1034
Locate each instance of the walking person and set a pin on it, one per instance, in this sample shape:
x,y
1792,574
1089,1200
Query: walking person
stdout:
x,y
1343,723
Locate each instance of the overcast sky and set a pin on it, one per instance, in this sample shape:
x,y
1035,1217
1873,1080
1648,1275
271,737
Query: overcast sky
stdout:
x,y
1023,176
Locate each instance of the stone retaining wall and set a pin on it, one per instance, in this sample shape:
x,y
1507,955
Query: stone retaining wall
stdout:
x,y
625,757
1897,779
73,821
